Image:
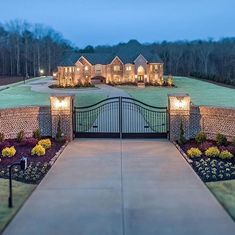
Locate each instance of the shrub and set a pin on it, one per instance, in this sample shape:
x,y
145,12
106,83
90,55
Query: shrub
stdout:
x,y
200,137
225,155
194,152
59,133
37,134
2,137
9,152
38,150
212,152
182,139
170,80
221,139
45,143
20,136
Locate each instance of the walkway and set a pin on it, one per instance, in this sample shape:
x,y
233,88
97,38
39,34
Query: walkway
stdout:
x,y
137,187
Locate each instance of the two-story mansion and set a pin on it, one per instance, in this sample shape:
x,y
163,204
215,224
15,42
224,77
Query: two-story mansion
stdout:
x,y
117,68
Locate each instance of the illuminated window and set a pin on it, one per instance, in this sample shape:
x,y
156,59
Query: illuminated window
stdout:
x,y
140,70
128,68
156,67
86,68
78,69
70,69
116,68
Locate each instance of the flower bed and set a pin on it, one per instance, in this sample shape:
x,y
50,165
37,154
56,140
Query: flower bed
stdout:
x,y
212,160
38,165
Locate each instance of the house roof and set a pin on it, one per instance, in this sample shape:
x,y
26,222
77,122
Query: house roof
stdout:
x,y
127,55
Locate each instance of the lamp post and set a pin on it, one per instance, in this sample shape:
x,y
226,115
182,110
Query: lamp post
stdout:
x,y
41,72
23,165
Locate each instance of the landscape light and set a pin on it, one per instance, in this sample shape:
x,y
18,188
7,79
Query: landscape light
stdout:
x,y
180,103
60,103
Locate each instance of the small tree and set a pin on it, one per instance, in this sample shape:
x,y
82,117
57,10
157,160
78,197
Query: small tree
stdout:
x,y
170,80
59,133
182,139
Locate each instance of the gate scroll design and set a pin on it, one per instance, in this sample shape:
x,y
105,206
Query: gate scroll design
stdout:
x,y
121,117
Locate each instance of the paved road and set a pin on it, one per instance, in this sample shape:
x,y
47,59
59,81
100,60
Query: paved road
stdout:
x,y
108,187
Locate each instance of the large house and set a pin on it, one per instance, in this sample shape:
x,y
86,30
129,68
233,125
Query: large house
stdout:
x,y
139,67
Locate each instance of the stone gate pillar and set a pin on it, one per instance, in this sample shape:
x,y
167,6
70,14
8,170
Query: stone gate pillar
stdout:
x,y
179,111
62,110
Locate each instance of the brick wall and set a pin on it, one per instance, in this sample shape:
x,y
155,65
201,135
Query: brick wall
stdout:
x,y
28,119
211,120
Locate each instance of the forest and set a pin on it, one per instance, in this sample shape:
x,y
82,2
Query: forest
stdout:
x,y
26,48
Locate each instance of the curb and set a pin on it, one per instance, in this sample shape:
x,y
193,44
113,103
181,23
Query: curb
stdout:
x,y
52,161
182,153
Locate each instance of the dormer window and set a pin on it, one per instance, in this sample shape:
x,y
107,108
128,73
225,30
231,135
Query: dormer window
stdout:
x,y
116,68
86,68
128,68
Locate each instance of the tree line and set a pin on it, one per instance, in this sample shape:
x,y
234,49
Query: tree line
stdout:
x,y
26,48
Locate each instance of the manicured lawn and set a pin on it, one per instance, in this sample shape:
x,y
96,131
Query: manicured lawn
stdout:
x,y
202,93
224,192
23,96
20,193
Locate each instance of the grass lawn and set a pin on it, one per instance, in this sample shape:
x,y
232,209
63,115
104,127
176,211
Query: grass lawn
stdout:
x,y
23,96
20,193
224,191
202,93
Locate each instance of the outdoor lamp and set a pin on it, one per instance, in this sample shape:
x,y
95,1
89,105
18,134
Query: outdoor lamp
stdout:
x,y
41,71
180,103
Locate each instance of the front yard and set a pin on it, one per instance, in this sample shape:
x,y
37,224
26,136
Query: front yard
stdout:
x,y
41,155
21,192
201,93
224,191
21,95
214,162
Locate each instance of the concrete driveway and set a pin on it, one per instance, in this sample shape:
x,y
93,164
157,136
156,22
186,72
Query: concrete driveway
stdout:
x,y
109,187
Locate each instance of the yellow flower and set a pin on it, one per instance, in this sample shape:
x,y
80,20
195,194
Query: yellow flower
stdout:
x,y
194,152
45,143
225,155
38,150
212,152
9,152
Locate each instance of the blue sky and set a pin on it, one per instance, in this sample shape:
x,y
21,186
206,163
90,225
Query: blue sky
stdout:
x,y
108,22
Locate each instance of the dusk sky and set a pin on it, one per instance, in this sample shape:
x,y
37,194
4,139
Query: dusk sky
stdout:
x,y
93,22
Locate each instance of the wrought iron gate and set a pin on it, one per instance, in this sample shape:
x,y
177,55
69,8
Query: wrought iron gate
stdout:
x,y
121,117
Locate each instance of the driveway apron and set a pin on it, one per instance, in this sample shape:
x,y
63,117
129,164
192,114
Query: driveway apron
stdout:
x,y
113,187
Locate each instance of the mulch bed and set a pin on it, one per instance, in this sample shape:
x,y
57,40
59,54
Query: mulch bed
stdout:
x,y
38,166
214,168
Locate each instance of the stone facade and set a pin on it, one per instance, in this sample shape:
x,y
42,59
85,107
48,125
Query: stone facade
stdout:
x,y
140,70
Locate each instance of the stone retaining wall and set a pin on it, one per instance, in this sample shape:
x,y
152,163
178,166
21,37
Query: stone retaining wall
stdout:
x,y
28,119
